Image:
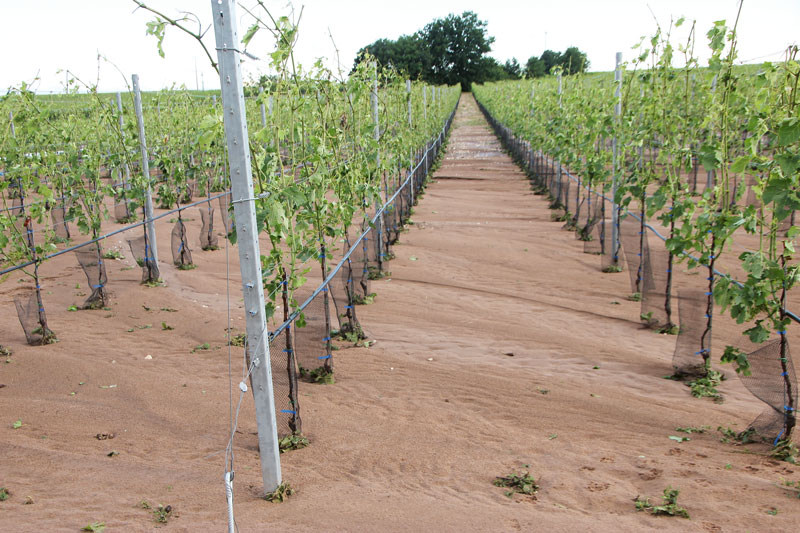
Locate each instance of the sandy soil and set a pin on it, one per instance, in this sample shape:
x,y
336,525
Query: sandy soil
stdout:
x,y
500,344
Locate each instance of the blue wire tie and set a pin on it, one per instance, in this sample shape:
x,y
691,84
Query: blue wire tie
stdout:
x,y
777,439
324,289
783,332
710,279
287,351
348,306
668,271
709,293
97,286
287,411
324,356
784,373
350,280
787,408
41,309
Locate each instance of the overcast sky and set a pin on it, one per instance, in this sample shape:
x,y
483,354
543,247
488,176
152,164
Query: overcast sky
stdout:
x,y
41,37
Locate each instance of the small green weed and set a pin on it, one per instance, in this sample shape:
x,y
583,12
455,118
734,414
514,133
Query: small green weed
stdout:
x,y
693,429
204,346
162,513
706,387
238,340
374,273
743,437
295,441
670,506
635,297
359,299
113,254
166,327
187,266
318,375
792,486
94,527
280,494
4,494
612,269
5,352
669,329
785,450
17,424
522,483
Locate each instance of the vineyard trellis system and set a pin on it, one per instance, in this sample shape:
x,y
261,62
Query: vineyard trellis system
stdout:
x,y
337,168
619,159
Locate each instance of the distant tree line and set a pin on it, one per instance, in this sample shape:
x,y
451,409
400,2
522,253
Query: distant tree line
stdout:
x,y
453,50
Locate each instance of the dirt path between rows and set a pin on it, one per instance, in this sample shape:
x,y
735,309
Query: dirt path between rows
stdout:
x,y
499,344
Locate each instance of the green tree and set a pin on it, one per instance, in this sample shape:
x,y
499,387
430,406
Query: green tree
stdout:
x,y
573,61
535,67
550,60
513,69
456,46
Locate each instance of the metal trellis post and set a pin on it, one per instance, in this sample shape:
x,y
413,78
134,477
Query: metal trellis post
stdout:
x,y
615,163
230,74
152,251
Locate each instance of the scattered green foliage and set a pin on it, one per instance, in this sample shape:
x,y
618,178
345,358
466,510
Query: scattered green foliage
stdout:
x,y
113,253
612,269
522,483
318,375
17,424
162,513
94,527
706,386
295,441
4,494
785,450
360,299
166,327
743,437
693,429
238,340
280,494
670,506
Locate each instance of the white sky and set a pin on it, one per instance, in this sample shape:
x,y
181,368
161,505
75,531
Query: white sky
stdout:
x,y
39,37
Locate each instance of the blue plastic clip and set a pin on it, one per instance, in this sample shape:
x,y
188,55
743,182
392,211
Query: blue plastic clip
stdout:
x,y
287,411
324,356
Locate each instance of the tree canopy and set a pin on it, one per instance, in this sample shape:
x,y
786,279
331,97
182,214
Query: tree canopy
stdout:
x,y
454,50
446,51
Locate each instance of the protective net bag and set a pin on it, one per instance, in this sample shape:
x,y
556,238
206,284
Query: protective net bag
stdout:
x,y
587,219
284,384
224,205
16,208
31,318
208,239
312,342
773,381
60,225
144,258
90,258
124,212
181,255
687,360
362,259
342,290
636,251
654,287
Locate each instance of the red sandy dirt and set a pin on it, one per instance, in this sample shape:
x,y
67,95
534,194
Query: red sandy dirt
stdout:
x,y
489,331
